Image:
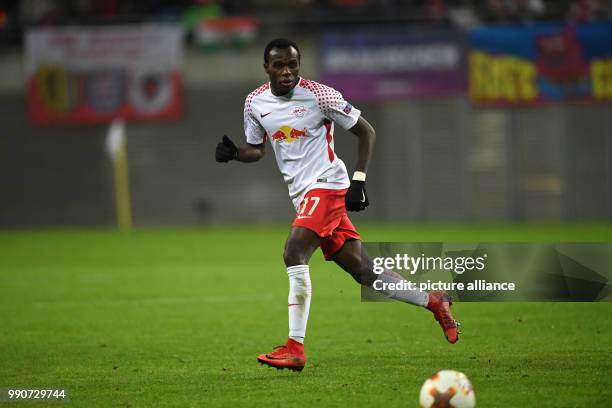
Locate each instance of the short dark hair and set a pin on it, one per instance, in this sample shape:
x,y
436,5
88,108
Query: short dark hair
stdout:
x,y
279,43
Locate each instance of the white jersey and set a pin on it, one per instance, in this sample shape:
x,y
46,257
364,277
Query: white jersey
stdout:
x,y
300,127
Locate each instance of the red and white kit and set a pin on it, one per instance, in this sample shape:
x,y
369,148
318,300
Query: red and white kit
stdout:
x,y
300,128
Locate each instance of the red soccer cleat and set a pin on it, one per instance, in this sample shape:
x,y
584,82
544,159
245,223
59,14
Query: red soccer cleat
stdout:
x,y
290,356
440,305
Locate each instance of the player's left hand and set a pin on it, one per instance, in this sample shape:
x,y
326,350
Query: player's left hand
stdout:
x,y
356,198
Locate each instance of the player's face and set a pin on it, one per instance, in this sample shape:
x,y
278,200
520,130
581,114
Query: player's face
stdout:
x,y
283,68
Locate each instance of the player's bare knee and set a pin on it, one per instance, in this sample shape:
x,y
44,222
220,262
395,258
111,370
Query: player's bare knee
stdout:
x,y
294,255
366,271
361,269
365,275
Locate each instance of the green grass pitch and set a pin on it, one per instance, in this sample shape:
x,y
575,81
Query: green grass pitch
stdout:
x,y
176,317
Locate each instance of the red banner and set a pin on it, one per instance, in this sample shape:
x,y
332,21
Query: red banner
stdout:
x,y
95,75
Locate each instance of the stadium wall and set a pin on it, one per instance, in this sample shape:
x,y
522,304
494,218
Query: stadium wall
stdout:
x,y
437,160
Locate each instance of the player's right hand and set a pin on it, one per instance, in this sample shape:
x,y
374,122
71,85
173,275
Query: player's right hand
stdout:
x,y
226,150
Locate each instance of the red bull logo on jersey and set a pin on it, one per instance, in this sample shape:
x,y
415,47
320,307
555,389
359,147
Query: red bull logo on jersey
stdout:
x,y
287,134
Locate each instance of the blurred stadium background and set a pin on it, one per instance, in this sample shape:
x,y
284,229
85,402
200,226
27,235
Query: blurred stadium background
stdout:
x,y
442,155
494,123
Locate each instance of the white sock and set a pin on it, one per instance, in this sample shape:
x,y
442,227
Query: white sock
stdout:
x,y
416,297
300,292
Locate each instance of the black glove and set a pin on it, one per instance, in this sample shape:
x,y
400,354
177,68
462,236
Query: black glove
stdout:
x,y
356,198
226,150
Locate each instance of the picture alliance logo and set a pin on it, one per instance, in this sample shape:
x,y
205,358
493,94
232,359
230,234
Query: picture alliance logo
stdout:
x,y
413,264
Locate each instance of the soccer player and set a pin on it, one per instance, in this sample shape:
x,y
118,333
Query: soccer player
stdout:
x,y
297,117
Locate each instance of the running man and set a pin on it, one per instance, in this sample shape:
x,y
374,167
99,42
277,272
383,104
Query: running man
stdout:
x,y
297,117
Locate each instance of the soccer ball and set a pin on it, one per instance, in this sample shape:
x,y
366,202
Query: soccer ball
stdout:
x,y
447,389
